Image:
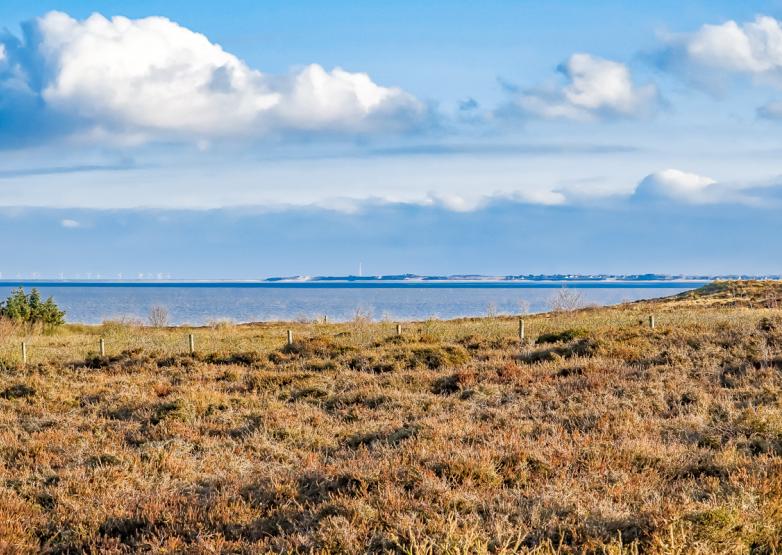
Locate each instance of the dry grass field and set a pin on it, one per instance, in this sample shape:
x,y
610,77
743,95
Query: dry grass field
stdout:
x,y
598,435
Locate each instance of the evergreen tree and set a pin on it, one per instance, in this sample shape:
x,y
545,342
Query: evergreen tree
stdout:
x,y
30,310
16,307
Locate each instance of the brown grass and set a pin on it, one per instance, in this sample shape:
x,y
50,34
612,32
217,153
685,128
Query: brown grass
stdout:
x,y
599,435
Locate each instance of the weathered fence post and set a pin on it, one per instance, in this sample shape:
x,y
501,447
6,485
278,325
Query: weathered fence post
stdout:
x,y
191,343
290,337
651,321
521,330
24,352
399,329
102,345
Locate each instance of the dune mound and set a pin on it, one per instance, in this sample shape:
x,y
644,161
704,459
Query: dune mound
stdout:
x,y
744,293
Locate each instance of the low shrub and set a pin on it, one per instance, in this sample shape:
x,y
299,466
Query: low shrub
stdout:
x,y
562,336
18,391
436,357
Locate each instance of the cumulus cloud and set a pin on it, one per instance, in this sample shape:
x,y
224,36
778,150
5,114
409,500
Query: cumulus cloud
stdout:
x,y
676,185
705,57
148,78
595,88
673,185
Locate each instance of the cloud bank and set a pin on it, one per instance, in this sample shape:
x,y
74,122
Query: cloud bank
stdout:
x,y
707,238
137,80
594,88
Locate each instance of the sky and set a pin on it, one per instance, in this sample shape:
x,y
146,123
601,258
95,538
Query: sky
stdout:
x,y
247,139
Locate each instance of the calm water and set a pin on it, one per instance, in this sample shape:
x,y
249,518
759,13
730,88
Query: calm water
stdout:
x,y
205,302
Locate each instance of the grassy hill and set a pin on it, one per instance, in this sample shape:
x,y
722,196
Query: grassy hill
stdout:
x,y
750,293
597,434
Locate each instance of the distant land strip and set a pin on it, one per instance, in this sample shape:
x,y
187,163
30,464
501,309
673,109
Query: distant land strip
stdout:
x,y
396,280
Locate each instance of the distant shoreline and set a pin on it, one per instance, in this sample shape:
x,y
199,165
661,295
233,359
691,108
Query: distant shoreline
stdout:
x,y
361,284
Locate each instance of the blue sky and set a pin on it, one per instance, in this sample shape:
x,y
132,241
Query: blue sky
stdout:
x,y
245,139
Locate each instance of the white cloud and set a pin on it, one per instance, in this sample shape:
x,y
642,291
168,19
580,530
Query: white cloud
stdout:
x,y
454,203
675,185
148,78
470,203
709,56
544,197
70,224
691,188
316,99
595,88
753,47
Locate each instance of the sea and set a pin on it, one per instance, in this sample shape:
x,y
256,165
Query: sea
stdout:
x,y
201,303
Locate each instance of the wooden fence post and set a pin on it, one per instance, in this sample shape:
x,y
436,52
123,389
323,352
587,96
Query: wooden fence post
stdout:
x,y
651,321
290,337
399,329
191,343
522,335
24,352
102,345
